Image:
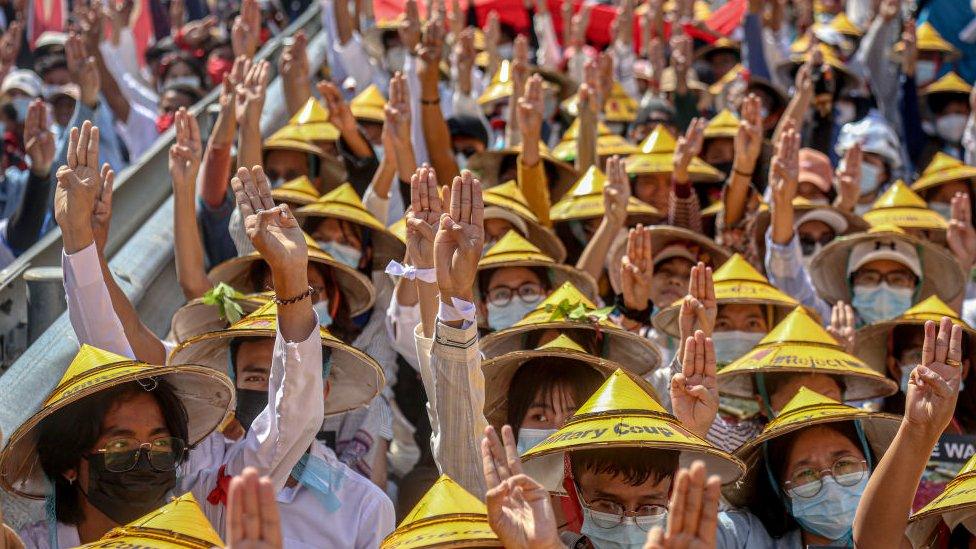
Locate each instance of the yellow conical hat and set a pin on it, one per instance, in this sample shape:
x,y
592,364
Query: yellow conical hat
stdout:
x,y
842,24
310,123
572,132
343,203
873,340
606,145
355,377
656,156
368,105
287,139
180,524
207,396
499,371
355,287
622,414
806,409
399,229
955,504
949,83
800,345
736,282
568,311
901,207
722,44
943,169
788,67
508,196
619,106
723,124
297,192
447,516
929,39
500,86
513,250
585,201
487,166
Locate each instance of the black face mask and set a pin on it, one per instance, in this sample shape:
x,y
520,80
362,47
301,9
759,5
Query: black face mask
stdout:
x,y
250,403
124,497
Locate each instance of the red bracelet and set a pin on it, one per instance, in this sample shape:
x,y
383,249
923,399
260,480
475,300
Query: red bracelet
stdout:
x,y
283,302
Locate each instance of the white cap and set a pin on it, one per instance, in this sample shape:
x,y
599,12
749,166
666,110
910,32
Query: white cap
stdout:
x,y
50,38
24,80
494,212
833,219
883,248
875,136
675,250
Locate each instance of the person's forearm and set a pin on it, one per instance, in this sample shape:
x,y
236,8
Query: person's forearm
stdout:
x,y
343,21
594,256
427,296
190,272
111,92
438,139
214,175
532,182
249,144
911,119
406,161
795,111
24,226
886,503
586,140
297,92
145,345
356,143
512,134
782,223
736,196
383,178
295,321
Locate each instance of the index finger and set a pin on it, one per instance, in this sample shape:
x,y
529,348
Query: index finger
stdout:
x,y
928,345
416,202
263,188
455,211
73,137
511,451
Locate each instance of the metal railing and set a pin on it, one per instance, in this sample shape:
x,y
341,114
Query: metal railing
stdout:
x,y
140,246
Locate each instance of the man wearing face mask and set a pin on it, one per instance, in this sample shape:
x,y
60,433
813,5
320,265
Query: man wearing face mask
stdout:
x,y
947,99
880,155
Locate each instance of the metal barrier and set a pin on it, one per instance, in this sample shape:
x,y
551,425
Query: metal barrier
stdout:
x,y
141,249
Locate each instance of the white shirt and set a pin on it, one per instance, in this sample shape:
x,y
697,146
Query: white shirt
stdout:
x,y
38,536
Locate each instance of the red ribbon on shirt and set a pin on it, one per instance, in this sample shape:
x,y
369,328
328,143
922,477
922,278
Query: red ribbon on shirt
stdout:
x,y
219,494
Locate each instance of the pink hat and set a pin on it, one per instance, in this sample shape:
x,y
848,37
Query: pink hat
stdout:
x,y
815,168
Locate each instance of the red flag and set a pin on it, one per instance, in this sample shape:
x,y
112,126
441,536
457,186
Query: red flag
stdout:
x,y
46,15
142,29
727,18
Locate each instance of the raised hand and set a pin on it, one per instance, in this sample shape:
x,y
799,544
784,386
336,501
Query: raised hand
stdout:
x,y
79,183
460,239
842,325
397,111
431,48
39,141
909,55
888,9
520,65
625,23
339,112
637,269
423,217
531,110
195,33
749,136
250,92
246,29
519,511
694,390
566,16
10,45
848,175
616,192
961,235
605,77
293,63
272,229
410,27
699,309
692,512
186,152
689,146
784,170
933,387
82,70
579,23
102,213
177,13
463,58
253,521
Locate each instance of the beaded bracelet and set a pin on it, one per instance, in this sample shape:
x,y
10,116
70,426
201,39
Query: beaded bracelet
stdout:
x,y
282,302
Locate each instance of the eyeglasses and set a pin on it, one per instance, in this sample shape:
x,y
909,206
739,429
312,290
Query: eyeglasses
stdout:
x,y
613,514
529,293
897,279
122,454
808,482
809,245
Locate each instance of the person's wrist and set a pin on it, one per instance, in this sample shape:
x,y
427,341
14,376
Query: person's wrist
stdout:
x,y
290,279
40,169
76,236
919,436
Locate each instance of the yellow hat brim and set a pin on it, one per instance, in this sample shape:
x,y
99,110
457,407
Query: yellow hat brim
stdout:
x,y
733,292
957,496
906,218
386,245
449,531
698,170
292,197
368,113
958,173
591,206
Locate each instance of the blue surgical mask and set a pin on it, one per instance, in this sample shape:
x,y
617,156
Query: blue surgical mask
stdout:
x,y
830,513
870,177
21,105
881,302
925,71
529,438
380,152
631,533
504,316
733,344
322,312
343,253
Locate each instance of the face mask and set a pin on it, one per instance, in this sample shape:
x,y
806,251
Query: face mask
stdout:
x,y
870,175
808,259
250,403
576,227
322,311
943,209
724,167
379,151
529,438
342,253
925,71
617,128
506,51
462,161
164,121
881,302
763,112
951,126
906,374
277,182
20,105
124,497
333,171
844,112
733,344
395,58
630,533
830,513
188,80
501,317
218,68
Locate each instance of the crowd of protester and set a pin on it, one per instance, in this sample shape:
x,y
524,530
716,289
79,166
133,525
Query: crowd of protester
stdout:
x,y
698,277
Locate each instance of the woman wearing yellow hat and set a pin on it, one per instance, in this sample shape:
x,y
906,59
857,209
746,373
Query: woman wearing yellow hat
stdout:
x,y
942,179
947,108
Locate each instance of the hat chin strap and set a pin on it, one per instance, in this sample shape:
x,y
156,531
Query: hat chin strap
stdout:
x,y
572,506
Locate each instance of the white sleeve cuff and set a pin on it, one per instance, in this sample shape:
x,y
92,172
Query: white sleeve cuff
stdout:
x,y
84,265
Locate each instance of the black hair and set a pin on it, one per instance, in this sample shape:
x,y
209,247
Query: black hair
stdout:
x,y
180,56
939,102
543,375
484,277
767,502
193,93
71,432
776,380
155,51
635,465
48,63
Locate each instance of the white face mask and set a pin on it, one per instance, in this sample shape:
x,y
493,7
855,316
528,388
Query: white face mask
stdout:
x,y
734,344
378,149
844,112
21,104
906,374
951,126
343,253
529,438
504,316
188,80
942,208
870,177
395,58
629,534
322,312
506,51
881,302
462,161
925,71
